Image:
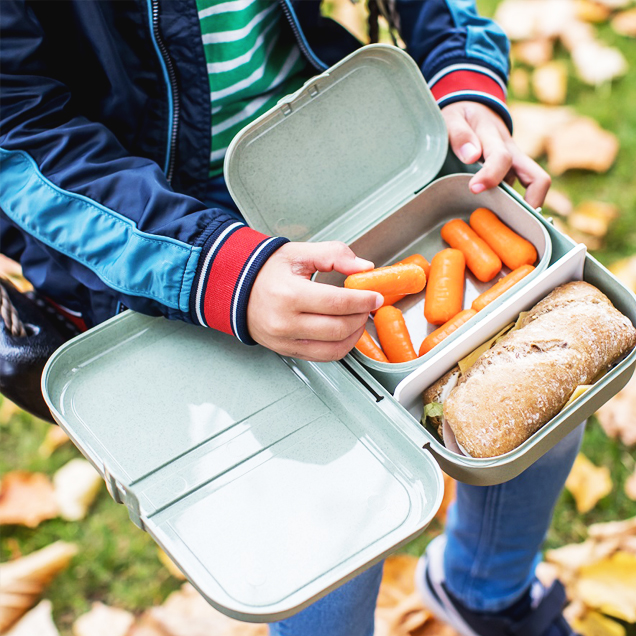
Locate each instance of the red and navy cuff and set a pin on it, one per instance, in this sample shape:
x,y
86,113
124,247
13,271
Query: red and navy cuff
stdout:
x,y
471,82
230,260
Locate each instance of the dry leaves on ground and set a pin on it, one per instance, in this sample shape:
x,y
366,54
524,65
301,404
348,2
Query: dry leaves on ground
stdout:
x,y
26,499
76,486
593,217
624,23
625,271
22,581
600,578
581,144
37,622
55,437
588,483
102,620
618,416
630,486
550,83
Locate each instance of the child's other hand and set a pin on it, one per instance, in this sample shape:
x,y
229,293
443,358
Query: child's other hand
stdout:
x,y
475,131
294,316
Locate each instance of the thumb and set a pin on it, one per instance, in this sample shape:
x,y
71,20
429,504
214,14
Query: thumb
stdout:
x,y
331,256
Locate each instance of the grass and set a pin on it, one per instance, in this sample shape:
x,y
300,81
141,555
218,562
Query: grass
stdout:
x,y
118,564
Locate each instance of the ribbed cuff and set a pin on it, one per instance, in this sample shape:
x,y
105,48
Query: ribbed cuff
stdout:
x,y
229,263
470,82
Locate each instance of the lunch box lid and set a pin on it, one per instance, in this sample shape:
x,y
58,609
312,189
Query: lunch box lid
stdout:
x,y
268,481
340,153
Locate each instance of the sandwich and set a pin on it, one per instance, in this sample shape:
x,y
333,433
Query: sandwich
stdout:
x,y
569,339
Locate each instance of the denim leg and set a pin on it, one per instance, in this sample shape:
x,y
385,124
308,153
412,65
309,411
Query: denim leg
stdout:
x,y
347,611
494,532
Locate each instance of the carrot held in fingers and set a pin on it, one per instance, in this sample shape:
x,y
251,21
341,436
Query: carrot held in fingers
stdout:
x,y
480,258
393,334
390,299
501,286
511,248
417,259
445,291
390,280
433,339
367,346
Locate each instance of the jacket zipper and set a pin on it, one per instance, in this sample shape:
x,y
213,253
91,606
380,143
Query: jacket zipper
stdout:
x,y
300,38
172,81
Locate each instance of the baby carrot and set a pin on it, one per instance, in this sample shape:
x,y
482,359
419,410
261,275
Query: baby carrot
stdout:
x,y
390,280
433,339
393,334
417,259
367,346
480,259
501,286
511,248
445,291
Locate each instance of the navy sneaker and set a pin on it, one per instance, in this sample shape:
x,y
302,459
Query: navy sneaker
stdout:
x,y
537,613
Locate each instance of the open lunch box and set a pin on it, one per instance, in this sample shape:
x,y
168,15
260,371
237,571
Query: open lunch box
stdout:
x,y
271,481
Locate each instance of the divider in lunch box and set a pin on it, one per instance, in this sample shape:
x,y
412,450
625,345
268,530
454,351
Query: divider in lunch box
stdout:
x,y
415,228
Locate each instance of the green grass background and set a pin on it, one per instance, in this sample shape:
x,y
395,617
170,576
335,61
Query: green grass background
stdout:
x,y
118,565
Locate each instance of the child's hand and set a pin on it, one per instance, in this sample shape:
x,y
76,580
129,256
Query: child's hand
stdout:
x,y
476,131
294,316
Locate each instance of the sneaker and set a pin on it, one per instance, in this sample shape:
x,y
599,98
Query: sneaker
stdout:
x,y
537,613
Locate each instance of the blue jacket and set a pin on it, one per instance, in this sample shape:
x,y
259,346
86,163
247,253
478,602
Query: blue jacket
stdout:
x,y
105,140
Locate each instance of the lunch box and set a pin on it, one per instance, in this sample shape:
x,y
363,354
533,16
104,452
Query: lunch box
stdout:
x,y
271,481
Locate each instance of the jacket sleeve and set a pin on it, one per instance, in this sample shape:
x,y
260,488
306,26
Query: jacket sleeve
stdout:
x,y
108,218
463,56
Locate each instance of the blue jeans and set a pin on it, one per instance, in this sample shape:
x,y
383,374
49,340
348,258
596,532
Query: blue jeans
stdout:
x,y
493,538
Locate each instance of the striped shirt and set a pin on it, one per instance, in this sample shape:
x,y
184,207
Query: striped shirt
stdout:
x,y
253,61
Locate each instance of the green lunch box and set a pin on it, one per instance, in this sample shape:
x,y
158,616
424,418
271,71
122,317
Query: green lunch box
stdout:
x,y
271,481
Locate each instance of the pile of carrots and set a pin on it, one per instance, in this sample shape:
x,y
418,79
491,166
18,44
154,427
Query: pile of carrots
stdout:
x,y
483,245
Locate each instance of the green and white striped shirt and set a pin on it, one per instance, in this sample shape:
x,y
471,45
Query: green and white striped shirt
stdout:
x,y
252,62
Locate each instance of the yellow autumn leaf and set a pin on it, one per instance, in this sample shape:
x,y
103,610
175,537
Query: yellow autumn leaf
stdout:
x,y
610,586
595,624
588,483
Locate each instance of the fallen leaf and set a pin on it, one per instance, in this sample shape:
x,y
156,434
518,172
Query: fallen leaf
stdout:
x,y
186,613
593,217
590,11
550,83
574,610
22,581
581,144
610,586
588,483
558,202
575,33
398,579
547,573
625,271
591,242
39,621
522,20
535,123
617,416
596,63
613,529
26,499
595,624
102,620
574,556
630,486
533,52
519,83
76,485
55,437
615,4
169,565
624,23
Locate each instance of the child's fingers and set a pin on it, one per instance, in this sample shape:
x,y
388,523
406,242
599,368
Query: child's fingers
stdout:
x,y
328,256
532,177
320,351
327,328
318,298
463,140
